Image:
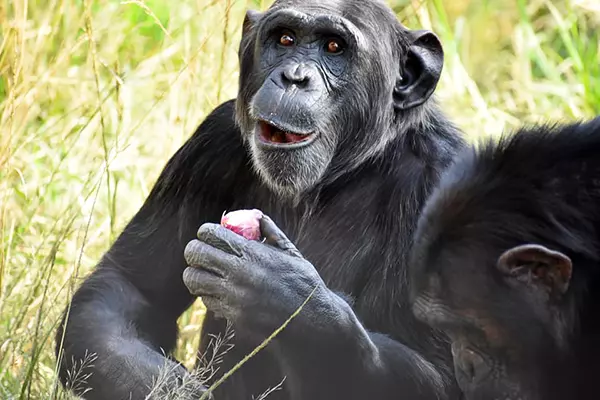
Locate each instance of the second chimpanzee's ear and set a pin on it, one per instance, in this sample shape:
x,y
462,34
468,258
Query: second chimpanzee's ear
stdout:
x,y
419,75
538,267
250,20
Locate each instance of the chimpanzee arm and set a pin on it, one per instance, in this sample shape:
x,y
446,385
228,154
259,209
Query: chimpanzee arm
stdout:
x,y
123,318
328,354
325,352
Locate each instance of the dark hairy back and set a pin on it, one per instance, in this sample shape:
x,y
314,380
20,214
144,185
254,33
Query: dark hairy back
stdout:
x,y
549,173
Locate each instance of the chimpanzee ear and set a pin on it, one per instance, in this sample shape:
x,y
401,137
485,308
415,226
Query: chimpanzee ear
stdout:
x,y
420,74
250,20
538,267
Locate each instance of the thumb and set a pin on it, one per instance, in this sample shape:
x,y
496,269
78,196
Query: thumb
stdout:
x,y
275,237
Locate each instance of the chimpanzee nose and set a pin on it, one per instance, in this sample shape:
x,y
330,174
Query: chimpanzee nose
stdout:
x,y
297,74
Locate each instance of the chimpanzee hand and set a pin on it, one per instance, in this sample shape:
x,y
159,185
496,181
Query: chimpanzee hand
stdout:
x,y
254,285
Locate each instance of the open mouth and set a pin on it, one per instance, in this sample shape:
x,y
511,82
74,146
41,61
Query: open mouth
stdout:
x,y
271,134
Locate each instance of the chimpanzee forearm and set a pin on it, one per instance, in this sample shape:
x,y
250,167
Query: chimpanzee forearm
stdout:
x,y
326,353
124,316
107,336
126,311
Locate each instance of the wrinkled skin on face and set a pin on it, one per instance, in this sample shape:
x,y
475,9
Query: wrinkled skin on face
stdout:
x,y
323,88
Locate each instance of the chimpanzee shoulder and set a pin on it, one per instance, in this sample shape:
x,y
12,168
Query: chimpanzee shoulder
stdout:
x,y
214,153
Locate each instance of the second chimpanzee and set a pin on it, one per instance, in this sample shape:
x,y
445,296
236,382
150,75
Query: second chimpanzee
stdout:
x,y
335,136
507,263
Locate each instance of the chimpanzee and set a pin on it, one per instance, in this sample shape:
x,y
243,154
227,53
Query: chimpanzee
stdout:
x,y
336,137
506,262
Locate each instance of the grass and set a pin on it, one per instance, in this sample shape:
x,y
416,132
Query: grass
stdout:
x,y
96,95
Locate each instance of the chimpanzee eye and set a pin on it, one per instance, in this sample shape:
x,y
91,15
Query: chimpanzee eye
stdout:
x,y
286,39
334,46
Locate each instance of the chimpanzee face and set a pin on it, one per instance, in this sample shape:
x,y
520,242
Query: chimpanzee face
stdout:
x,y
502,314
326,85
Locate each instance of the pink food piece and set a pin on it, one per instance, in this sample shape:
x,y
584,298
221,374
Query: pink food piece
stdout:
x,y
243,222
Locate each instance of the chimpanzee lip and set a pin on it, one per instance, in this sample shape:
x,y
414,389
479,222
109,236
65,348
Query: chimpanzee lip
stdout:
x,y
275,135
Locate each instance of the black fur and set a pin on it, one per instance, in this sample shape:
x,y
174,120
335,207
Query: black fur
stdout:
x,y
539,186
353,221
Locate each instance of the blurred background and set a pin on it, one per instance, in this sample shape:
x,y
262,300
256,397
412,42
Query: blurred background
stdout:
x,y
96,95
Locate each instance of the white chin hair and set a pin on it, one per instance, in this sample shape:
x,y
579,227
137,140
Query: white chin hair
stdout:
x,y
288,173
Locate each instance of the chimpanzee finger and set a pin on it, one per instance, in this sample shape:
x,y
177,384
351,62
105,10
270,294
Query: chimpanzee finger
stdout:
x,y
275,237
203,283
202,255
222,238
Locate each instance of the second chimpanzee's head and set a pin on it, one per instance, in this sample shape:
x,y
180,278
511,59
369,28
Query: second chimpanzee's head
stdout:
x,y
505,262
326,85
